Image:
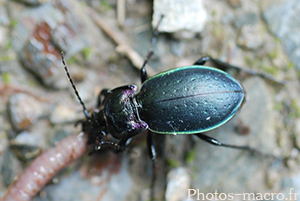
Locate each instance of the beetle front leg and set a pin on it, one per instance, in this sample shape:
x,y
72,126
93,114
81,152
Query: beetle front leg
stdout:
x,y
117,147
144,75
104,144
103,93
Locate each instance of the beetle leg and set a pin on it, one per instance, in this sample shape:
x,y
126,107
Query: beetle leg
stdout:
x,y
222,65
152,156
103,93
79,122
103,144
215,142
144,75
225,66
150,145
117,147
202,60
124,144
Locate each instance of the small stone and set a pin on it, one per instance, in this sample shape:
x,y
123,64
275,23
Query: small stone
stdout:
x,y
282,17
41,57
188,16
43,32
24,110
178,181
25,152
250,37
64,114
272,178
248,18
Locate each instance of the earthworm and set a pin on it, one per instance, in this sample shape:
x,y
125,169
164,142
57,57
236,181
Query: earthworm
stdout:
x,y
45,166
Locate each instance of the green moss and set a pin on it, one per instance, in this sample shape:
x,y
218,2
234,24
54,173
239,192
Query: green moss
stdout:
x,y
295,110
69,170
191,155
72,60
251,63
270,69
277,40
218,31
114,59
173,163
214,13
8,45
291,65
278,106
248,60
105,5
32,83
14,23
86,52
6,78
273,54
5,58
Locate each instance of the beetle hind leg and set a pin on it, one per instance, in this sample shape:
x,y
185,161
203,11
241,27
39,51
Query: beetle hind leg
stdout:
x,y
216,142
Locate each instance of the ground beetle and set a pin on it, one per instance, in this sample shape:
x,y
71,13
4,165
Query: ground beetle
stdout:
x,y
186,100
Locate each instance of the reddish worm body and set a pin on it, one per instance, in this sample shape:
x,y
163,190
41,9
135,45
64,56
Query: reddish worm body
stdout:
x,y
45,166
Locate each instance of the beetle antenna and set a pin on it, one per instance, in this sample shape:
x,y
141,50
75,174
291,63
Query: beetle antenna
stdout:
x,y
86,113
